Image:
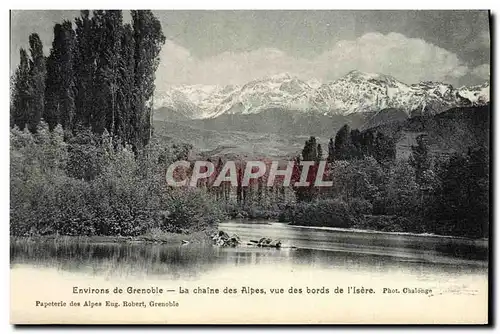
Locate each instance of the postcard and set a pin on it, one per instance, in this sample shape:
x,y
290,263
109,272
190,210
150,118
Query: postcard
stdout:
x,y
250,167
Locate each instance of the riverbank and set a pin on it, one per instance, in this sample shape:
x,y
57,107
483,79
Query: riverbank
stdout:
x,y
154,237
205,237
378,223
483,241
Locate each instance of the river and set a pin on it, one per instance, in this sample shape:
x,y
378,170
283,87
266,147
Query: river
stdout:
x,y
319,258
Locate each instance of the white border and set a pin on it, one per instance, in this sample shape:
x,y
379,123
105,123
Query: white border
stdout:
x,y
185,4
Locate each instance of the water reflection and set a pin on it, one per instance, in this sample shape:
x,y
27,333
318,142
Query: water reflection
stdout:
x,y
378,254
428,248
115,259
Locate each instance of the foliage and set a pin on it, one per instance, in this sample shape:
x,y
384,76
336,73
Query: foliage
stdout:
x,y
460,203
331,151
60,81
190,211
312,152
98,75
403,195
36,81
21,93
85,161
353,144
112,193
420,159
322,212
449,196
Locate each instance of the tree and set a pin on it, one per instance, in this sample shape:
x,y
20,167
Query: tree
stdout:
x,y
402,194
365,178
356,149
126,94
478,199
99,76
84,65
148,38
108,29
37,74
60,85
331,151
367,142
310,150
343,146
384,148
21,98
420,159
353,144
460,205
319,153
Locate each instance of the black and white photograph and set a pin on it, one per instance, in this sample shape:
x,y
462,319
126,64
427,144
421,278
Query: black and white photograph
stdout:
x,y
250,167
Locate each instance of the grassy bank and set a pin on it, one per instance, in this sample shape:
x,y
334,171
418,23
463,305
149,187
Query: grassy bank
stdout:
x,y
83,186
156,237
381,223
357,215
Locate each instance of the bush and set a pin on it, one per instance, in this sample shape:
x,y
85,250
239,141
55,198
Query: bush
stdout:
x,y
190,210
387,223
51,204
120,193
359,206
324,212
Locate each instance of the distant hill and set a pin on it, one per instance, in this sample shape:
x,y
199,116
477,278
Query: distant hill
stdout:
x,y
455,130
384,116
232,144
281,121
278,133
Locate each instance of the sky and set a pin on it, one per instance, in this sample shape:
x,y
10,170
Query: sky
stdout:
x,y
234,47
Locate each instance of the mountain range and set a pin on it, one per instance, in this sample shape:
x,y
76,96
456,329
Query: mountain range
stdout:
x,y
274,116
354,93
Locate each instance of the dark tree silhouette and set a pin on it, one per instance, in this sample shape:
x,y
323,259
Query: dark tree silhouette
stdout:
x,y
36,83
21,97
420,159
60,87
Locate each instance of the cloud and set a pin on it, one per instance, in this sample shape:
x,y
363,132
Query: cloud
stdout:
x,y
179,66
482,41
408,59
482,71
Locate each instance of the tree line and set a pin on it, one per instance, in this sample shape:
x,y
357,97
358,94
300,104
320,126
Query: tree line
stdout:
x,y
425,193
354,144
99,75
80,115
442,194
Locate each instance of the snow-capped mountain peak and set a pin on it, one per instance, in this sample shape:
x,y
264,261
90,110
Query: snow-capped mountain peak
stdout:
x,y
359,76
354,92
478,95
280,77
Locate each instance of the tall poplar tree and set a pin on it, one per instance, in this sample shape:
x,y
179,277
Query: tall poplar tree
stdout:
x,y
343,146
420,159
108,28
331,150
84,66
20,104
149,39
60,88
126,96
37,73
99,76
